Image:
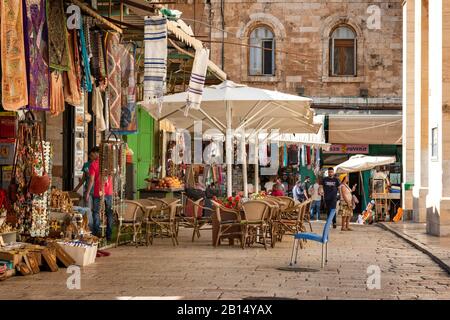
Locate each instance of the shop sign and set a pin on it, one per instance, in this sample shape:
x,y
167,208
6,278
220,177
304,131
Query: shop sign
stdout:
x,y
348,149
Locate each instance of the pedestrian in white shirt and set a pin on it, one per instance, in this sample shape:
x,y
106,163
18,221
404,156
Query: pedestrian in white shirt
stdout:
x,y
316,192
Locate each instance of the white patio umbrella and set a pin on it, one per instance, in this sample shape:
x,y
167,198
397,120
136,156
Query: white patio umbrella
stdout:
x,y
230,106
361,162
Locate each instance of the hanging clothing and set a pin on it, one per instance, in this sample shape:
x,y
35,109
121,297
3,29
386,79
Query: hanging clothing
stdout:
x,y
97,108
128,118
113,52
263,158
308,155
71,80
197,81
293,154
14,74
155,62
285,156
97,59
57,36
303,156
56,93
36,52
86,80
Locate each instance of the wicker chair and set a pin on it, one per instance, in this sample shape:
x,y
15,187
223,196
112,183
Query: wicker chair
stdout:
x,y
132,219
194,216
226,224
163,219
291,221
272,218
255,222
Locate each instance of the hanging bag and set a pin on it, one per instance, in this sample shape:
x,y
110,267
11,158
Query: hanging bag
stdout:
x,y
13,185
39,184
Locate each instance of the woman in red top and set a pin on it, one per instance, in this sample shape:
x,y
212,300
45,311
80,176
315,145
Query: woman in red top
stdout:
x,y
277,190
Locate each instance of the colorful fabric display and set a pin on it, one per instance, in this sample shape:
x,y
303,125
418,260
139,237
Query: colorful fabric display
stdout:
x,y
155,62
197,81
36,52
71,80
113,52
57,36
14,74
285,156
56,93
85,62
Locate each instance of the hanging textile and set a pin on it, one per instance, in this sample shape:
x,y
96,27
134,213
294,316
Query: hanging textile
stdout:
x,y
97,59
14,75
128,118
303,156
57,36
86,80
97,108
263,158
155,62
113,52
293,154
197,81
36,52
285,156
71,80
56,93
308,155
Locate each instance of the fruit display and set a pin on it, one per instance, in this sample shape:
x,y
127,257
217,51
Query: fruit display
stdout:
x,y
169,183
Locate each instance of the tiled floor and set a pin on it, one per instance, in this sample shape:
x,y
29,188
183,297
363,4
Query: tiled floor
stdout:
x,y
199,271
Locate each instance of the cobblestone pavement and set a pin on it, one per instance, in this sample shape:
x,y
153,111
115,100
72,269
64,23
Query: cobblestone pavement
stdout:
x,y
198,271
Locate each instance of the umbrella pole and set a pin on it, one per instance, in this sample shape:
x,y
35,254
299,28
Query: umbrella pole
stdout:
x,y
229,153
363,191
244,164
256,188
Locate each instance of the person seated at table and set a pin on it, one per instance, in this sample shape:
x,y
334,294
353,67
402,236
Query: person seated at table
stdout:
x,y
277,190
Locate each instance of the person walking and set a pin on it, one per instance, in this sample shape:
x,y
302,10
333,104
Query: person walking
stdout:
x,y
297,192
95,181
346,202
330,188
316,192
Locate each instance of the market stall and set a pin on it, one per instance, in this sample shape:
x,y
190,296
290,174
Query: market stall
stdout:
x,y
382,191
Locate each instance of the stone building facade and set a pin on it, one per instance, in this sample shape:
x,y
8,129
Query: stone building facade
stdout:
x,y
302,31
426,125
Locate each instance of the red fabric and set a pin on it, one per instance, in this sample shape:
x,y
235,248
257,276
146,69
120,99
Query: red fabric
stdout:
x,y
277,193
94,171
189,209
308,155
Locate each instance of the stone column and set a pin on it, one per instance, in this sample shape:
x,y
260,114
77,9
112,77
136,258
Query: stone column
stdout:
x,y
438,199
420,189
408,103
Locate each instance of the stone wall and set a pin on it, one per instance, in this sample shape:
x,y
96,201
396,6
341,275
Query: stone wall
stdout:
x,y
301,31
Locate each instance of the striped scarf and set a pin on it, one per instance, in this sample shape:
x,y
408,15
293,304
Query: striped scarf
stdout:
x,y
197,81
155,63
14,75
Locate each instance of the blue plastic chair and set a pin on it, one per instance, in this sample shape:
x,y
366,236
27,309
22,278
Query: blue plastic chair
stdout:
x,y
314,237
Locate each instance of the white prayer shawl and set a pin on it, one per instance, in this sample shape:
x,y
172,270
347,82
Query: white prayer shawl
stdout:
x,y
197,81
155,62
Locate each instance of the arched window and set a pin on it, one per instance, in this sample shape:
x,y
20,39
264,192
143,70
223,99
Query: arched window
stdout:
x,y
343,52
262,54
